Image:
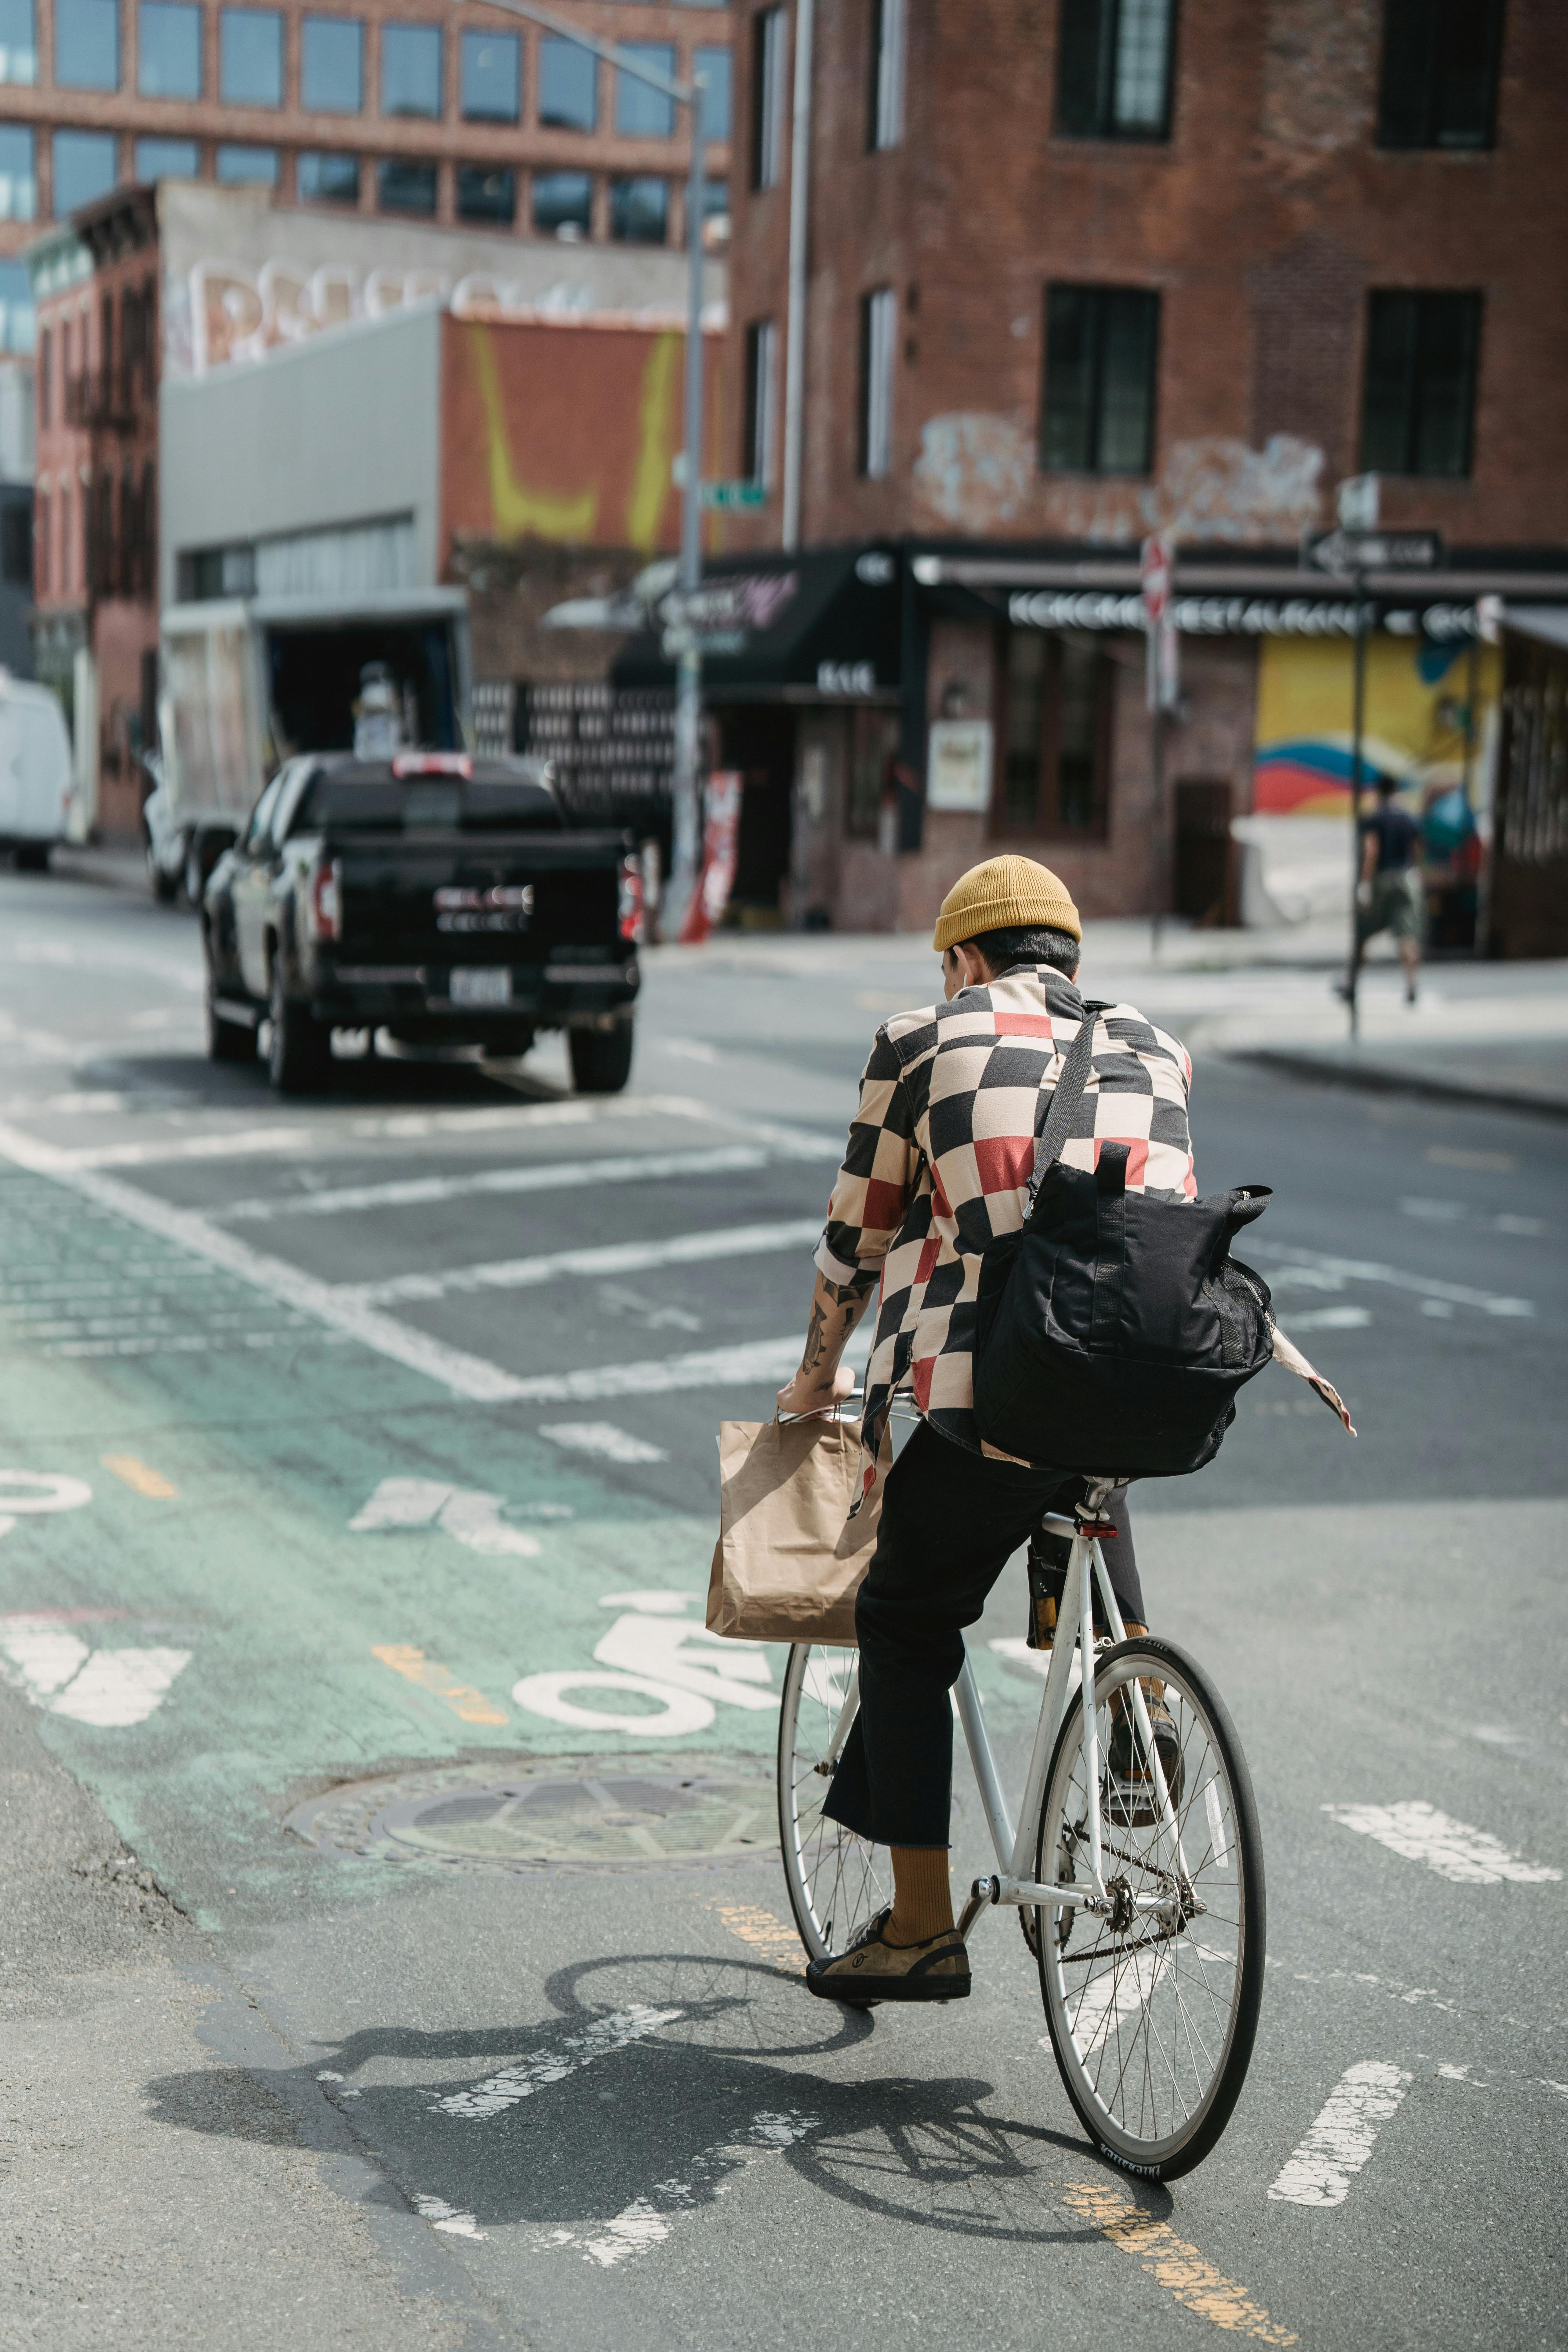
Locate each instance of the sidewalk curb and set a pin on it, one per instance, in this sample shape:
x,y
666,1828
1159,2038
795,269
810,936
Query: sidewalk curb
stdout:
x,y
1323,1068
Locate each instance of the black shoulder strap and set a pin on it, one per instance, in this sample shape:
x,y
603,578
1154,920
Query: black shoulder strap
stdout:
x,y
1066,1099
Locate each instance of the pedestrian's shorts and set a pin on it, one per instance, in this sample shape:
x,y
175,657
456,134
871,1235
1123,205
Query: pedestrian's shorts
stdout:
x,y
1396,906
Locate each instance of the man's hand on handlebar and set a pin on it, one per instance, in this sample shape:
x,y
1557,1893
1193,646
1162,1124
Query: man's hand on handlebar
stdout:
x,y
809,1394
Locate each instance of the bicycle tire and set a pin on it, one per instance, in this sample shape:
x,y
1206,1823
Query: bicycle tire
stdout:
x,y
837,1883
1142,1979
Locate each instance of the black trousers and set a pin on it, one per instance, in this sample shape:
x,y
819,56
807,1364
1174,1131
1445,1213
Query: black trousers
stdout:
x,y
951,1522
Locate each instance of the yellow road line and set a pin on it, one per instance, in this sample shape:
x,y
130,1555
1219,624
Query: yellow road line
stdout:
x,y
140,1476
768,1935
470,1705
1180,2268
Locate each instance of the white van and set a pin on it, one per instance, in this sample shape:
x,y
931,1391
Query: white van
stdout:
x,y
35,778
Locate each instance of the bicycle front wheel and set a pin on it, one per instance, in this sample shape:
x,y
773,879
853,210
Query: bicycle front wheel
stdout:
x,y
836,1882
1153,2005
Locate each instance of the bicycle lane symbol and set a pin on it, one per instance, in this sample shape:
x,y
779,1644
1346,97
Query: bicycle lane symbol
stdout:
x,y
50,1664
653,1652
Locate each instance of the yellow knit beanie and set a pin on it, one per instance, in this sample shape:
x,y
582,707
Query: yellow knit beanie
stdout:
x,y
1004,892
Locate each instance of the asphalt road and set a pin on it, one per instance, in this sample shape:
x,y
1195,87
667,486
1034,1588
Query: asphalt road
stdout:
x,y
375,1442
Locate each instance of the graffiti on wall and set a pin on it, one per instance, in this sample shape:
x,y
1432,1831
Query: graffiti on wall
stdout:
x,y
226,312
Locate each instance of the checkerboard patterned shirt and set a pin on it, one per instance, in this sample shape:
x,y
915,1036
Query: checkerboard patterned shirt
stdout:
x,y
938,1160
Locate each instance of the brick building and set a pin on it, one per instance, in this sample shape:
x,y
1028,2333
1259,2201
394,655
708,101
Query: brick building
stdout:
x,y
1078,270
95,618
400,107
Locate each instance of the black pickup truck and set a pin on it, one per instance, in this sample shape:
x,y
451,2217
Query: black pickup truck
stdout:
x,y
437,896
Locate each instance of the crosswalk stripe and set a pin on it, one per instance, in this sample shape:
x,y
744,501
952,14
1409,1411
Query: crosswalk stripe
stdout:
x,y
611,1257
1453,1849
552,1176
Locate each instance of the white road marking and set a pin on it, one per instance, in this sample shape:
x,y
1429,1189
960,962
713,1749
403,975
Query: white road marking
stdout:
x,y
474,1518
1457,1213
673,1654
612,1258
767,1360
602,1437
110,1689
513,2083
642,2224
1116,1994
684,1712
239,1143
1334,1319
442,2216
1357,1269
1453,1849
556,1175
26,1491
1340,2140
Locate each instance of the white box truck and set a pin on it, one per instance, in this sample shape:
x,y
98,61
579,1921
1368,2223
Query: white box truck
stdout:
x,y
37,776
249,682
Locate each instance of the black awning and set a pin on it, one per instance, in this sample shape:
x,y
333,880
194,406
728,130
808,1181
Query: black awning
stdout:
x,y
781,628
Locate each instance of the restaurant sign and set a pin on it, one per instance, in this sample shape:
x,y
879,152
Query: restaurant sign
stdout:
x,y
1238,617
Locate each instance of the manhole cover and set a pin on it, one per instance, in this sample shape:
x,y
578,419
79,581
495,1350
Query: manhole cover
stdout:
x,y
620,1812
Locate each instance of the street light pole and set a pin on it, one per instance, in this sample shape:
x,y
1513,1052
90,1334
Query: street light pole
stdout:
x,y
686,780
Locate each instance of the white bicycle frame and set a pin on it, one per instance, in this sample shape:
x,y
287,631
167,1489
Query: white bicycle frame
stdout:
x,y
1014,1881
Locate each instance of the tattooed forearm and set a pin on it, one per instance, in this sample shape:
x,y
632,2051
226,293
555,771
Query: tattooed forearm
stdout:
x,y
836,1309
844,1294
815,1339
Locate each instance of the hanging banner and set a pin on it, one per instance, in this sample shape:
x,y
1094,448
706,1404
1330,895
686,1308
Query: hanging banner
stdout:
x,y
721,844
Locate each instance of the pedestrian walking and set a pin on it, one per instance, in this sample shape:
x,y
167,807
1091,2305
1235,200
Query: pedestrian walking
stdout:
x,y
1388,887
939,1158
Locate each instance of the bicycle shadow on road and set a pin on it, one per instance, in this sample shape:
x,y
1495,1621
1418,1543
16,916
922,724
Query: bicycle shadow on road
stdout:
x,y
659,2081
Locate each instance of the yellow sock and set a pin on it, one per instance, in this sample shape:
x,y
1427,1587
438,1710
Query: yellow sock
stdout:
x,y
923,1894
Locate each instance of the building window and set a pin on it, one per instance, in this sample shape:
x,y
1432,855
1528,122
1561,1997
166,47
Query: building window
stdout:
x,y
411,69
1113,69
401,186
642,111
1438,85
41,522
166,159
762,345
332,65
17,318
18,42
640,211
251,56
1419,405
888,26
568,86
767,96
87,44
563,204
16,543
248,167
714,66
46,377
490,77
326,179
879,326
487,193
1056,766
18,177
169,50
84,168
1097,415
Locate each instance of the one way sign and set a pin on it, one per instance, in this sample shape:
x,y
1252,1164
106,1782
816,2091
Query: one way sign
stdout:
x,y
1374,551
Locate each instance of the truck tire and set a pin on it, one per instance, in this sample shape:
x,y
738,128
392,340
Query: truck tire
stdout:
x,y
31,856
601,1059
301,1050
227,1041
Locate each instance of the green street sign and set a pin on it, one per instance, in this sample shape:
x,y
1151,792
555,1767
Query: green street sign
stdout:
x,y
734,494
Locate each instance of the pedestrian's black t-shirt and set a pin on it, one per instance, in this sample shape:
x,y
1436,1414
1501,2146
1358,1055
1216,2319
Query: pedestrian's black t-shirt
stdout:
x,y
1396,835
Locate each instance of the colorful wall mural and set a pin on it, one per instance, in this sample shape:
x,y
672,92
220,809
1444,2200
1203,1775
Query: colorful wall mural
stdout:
x,y
1418,709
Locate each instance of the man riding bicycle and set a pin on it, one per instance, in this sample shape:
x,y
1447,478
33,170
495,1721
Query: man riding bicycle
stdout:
x,y
940,1156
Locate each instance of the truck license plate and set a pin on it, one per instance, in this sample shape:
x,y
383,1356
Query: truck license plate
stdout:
x,y
481,984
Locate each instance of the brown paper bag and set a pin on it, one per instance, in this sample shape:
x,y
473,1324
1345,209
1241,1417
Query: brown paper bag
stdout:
x,y
789,1560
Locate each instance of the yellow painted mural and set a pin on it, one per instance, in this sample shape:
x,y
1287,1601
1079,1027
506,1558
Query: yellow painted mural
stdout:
x,y
521,512
1422,701
657,442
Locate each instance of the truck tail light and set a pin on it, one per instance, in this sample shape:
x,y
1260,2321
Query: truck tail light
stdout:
x,y
327,899
632,909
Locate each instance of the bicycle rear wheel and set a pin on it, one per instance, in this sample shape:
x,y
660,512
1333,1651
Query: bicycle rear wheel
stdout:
x,y
1153,2008
836,1882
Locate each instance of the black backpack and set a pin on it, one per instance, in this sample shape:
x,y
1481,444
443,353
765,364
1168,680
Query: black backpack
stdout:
x,y
1114,1331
